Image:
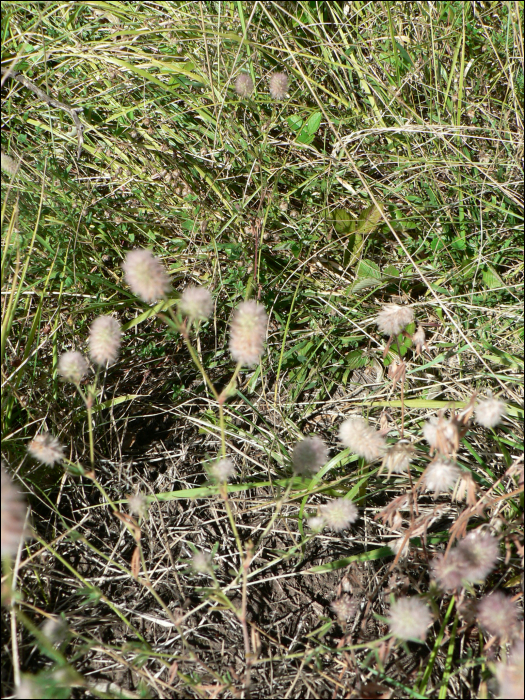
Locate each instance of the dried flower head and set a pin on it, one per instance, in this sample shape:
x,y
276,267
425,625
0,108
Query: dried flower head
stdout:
x,y
196,303
490,412
222,470
309,456
72,366
400,545
362,439
418,340
279,83
104,340
470,561
510,674
409,618
339,514
13,516
441,475
138,504
46,449
345,607
316,523
244,85
398,457
9,165
393,318
201,563
247,333
498,615
145,275
442,435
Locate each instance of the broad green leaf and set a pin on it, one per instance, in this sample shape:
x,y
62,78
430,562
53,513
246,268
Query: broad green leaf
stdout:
x,y
313,123
295,122
367,268
491,278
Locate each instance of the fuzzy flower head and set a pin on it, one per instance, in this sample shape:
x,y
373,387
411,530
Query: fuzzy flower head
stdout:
x,y
309,456
13,516
138,505
145,275
441,475
362,439
409,618
72,366
510,674
498,615
345,607
418,340
247,333
316,523
339,514
490,412
46,449
392,319
279,83
470,561
398,458
201,563
222,470
442,435
104,340
244,85
196,303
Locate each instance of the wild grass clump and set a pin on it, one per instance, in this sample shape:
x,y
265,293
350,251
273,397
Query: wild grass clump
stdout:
x,y
262,350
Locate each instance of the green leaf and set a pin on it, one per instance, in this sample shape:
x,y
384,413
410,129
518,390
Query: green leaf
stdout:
x,y
369,269
295,122
491,278
313,123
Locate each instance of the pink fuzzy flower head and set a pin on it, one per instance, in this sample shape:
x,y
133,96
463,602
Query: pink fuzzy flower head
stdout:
x,y
362,439
309,456
393,318
510,674
490,412
498,615
13,516
441,475
72,366
201,563
244,85
145,275
196,303
222,470
442,435
339,514
104,340
46,449
279,83
247,333
345,607
409,618
471,561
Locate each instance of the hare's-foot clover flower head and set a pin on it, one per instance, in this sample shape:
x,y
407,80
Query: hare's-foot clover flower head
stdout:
x,y
398,458
247,333
392,319
442,435
441,475
362,439
279,83
104,340
72,366
498,615
489,412
138,504
345,607
201,563
244,85
471,561
418,340
13,516
339,514
46,449
510,674
145,275
196,303
222,470
316,523
409,618
309,456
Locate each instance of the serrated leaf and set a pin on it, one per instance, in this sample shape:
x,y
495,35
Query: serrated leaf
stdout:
x,y
369,219
365,283
391,271
367,268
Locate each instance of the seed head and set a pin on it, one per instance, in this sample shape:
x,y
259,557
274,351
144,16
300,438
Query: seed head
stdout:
x,y
309,456
222,470
345,607
339,514
145,275
510,674
441,475
104,340
316,523
244,85
138,504
201,563
448,570
362,439
498,615
490,412
279,86
72,366
248,329
409,618
442,435
418,340
393,318
13,516
46,449
398,458
479,552
196,303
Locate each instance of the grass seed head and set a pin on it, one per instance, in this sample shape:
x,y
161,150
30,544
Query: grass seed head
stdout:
x,y
309,456
104,340
441,475
145,275
279,83
196,303
244,85
409,618
490,412
362,439
393,318
247,333
46,449
498,615
13,516
72,366
339,514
